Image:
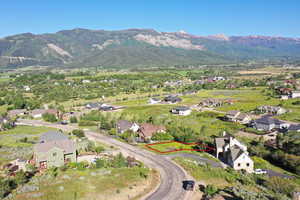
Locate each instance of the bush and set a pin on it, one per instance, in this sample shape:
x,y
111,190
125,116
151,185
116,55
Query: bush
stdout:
x,y
86,123
48,117
100,163
280,185
78,132
210,190
73,120
4,187
162,136
21,178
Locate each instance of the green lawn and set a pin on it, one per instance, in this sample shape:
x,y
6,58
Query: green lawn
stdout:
x,y
171,146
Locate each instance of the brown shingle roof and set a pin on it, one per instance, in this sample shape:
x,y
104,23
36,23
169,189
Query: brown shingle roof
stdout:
x,y
148,130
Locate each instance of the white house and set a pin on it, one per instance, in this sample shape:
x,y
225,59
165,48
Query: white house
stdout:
x,y
124,125
86,81
154,101
234,153
237,116
240,160
295,94
181,110
26,88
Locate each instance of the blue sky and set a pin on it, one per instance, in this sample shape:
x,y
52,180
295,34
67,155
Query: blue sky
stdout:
x,y
199,17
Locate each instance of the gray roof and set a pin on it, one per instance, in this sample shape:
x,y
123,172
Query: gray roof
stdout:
x,y
294,127
267,120
235,152
181,108
52,136
124,125
172,98
94,105
68,146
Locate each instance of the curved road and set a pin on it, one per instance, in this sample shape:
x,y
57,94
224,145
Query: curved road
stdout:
x,y
171,175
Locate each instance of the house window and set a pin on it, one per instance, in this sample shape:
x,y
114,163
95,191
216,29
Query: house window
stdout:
x,y
239,164
54,154
248,164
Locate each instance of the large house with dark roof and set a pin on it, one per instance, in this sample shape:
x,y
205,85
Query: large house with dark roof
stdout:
x,y
54,150
234,153
267,123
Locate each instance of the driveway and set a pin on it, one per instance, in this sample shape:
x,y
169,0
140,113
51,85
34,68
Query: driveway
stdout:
x,y
171,175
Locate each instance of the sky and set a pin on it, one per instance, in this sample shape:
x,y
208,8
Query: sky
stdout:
x,y
198,17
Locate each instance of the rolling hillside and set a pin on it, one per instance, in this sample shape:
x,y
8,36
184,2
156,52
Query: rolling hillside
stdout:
x,y
139,47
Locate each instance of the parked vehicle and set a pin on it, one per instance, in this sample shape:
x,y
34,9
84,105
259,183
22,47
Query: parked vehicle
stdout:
x,y
188,185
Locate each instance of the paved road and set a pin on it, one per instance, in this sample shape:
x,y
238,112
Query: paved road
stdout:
x,y
171,175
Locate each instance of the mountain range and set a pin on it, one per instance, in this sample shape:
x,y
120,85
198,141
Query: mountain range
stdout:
x,y
140,48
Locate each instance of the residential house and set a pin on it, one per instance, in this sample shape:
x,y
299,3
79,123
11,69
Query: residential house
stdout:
x,y
16,112
86,81
233,153
54,150
272,109
267,123
124,125
237,116
219,78
38,113
4,121
26,88
172,99
147,130
295,94
181,110
294,127
211,102
93,106
154,101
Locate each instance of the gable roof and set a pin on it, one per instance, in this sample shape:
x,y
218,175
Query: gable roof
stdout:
x,y
148,130
52,136
267,120
181,108
232,113
236,152
68,146
242,116
123,125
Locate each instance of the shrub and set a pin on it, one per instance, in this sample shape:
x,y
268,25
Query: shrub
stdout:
x,y
280,185
210,190
21,178
78,132
162,136
87,123
48,117
73,120
4,187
